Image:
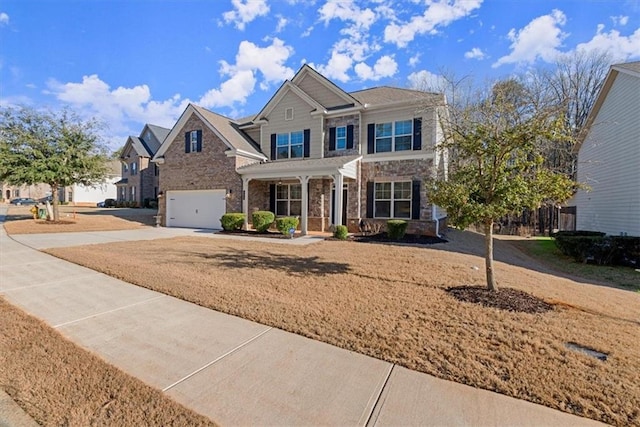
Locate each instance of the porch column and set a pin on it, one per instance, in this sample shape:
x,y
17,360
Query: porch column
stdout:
x,y
304,183
338,181
245,201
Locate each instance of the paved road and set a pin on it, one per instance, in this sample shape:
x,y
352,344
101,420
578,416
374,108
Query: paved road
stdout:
x,y
234,371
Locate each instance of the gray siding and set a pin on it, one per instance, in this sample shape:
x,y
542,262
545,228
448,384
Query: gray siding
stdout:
x,y
609,163
319,92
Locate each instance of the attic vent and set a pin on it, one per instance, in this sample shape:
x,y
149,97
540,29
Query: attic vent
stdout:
x,y
288,113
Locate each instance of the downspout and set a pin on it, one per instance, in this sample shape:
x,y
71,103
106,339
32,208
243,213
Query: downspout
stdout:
x,y
435,218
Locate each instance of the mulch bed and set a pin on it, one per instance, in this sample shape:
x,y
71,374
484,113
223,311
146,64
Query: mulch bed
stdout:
x,y
253,233
502,298
414,239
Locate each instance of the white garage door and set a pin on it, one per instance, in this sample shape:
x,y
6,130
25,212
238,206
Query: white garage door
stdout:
x,y
195,208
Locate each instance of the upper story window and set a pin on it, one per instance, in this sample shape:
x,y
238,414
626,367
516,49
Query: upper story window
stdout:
x,y
341,138
193,141
393,136
156,169
125,168
289,145
392,199
134,168
402,135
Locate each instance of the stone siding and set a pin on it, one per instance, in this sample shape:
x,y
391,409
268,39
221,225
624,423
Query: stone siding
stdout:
x,y
209,169
343,121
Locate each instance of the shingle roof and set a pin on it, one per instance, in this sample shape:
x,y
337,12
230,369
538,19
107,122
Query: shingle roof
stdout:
x,y
140,146
387,95
305,164
631,66
229,130
160,133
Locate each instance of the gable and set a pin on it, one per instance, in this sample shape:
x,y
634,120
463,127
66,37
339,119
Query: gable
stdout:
x,y
319,91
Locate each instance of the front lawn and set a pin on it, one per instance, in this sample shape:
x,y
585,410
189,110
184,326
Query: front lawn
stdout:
x,y
391,302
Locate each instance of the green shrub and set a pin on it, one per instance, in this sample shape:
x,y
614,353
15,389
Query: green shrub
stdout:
x,y
341,232
285,223
153,204
396,228
262,220
232,221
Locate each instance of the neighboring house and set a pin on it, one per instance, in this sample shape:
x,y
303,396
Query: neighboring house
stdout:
x,y
36,191
89,195
609,157
376,147
140,180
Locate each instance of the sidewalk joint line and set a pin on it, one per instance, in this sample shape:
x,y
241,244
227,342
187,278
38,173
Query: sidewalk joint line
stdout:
x,y
377,401
216,360
109,311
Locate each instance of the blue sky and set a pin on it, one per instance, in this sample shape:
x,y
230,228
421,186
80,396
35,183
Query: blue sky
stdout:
x,y
130,62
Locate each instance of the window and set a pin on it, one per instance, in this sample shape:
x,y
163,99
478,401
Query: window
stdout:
x,y
194,140
132,194
392,199
393,136
125,168
341,138
290,145
156,169
288,200
134,168
123,194
16,193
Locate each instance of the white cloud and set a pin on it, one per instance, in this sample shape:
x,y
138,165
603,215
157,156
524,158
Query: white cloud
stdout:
x,y
337,67
618,46
475,53
620,20
539,39
245,11
414,60
235,90
347,10
282,23
425,80
386,66
117,107
4,19
436,14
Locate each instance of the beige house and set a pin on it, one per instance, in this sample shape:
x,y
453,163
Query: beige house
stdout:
x,y
609,157
313,151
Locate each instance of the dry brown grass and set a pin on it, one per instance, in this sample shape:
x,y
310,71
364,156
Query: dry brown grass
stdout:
x,y
72,219
389,302
57,383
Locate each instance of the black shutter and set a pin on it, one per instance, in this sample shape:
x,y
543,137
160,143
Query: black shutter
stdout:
x,y
273,146
415,199
272,198
187,142
349,137
199,144
307,142
371,138
417,133
332,139
370,190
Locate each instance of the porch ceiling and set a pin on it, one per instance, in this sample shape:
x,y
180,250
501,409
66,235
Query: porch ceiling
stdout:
x,y
330,166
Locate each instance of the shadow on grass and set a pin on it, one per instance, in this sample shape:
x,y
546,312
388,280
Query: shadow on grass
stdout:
x,y
295,265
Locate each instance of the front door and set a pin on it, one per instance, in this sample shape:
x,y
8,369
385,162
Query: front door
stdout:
x,y
344,205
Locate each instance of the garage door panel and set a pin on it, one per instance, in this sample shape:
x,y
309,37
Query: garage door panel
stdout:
x,y
195,208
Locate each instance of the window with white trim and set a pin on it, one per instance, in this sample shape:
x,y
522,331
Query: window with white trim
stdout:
x,y
341,138
288,200
392,200
134,168
290,145
193,138
393,136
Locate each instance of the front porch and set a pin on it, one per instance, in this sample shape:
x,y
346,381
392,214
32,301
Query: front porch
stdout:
x,y
305,188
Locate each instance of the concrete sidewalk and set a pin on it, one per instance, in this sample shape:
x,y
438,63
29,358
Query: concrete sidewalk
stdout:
x,y
234,371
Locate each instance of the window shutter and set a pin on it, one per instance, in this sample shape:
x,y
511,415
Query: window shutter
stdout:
x,y
371,138
417,133
187,142
332,139
272,198
349,137
307,142
415,199
199,144
370,190
273,146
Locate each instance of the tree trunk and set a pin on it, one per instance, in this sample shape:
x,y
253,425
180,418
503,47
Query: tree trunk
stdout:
x,y
55,202
488,256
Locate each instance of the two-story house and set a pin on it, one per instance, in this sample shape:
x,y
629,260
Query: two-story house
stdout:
x,y
140,177
313,151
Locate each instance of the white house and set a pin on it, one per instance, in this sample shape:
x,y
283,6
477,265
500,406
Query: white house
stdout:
x,y
82,195
609,157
